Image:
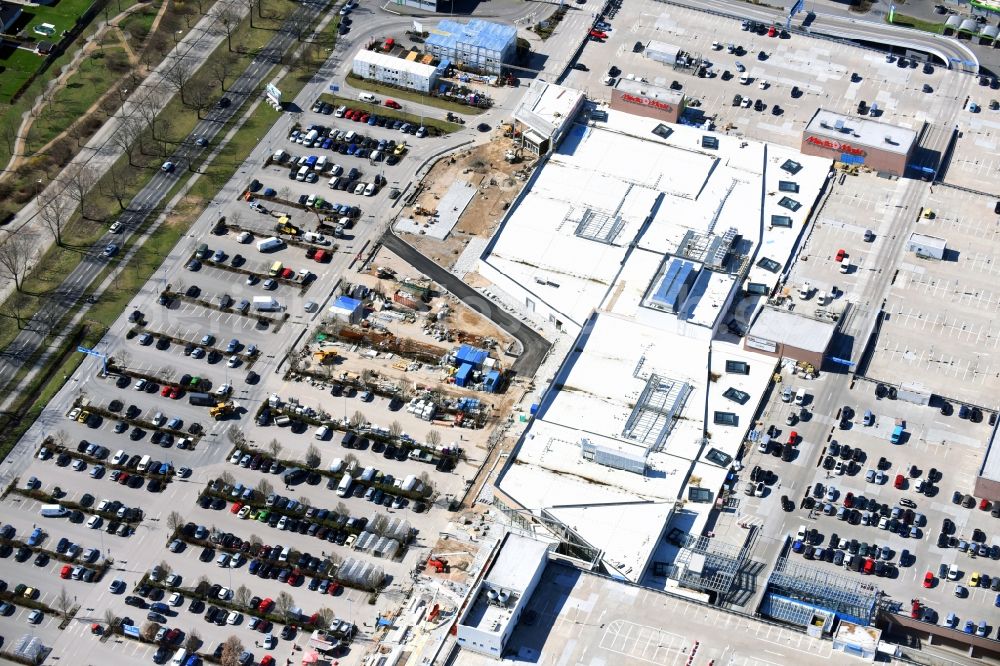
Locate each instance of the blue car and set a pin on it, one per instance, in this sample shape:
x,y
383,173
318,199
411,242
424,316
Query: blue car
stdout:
x,y
797,546
996,602
254,565
373,120
327,143
968,627
351,149
396,125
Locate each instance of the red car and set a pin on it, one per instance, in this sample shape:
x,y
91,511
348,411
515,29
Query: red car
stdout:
x,y
236,507
334,587
265,626
266,605
915,609
985,505
928,579
840,255
849,500
771,31
869,566
123,479
165,391
268,660
287,273
65,571
175,392
899,482
293,578
349,114
597,34
364,118
793,438
392,104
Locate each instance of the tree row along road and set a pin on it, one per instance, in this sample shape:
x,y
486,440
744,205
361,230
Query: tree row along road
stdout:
x,y
67,296
105,147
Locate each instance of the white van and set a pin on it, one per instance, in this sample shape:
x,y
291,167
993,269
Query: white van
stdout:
x,y
344,489
279,156
301,175
143,464
53,511
845,265
320,163
368,97
339,113
805,290
337,465
179,657
284,554
349,137
322,432
119,457
333,181
800,397
744,79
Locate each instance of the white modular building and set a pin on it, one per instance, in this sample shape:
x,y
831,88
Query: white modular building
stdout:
x,y
384,68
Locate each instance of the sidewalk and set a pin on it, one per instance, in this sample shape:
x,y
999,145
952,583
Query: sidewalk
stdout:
x,y
101,153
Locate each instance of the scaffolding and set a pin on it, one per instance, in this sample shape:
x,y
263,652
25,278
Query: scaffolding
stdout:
x,y
846,597
708,565
652,419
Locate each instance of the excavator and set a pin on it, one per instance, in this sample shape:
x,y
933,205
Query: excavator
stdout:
x,y
324,356
439,565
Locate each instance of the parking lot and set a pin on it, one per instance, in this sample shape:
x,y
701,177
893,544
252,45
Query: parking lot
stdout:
x,y
941,315
932,446
165,344
793,77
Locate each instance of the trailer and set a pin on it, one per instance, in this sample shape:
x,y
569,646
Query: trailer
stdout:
x,y
202,399
266,304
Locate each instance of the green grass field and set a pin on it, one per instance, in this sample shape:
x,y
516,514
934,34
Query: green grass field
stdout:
x,y
63,14
19,65
82,89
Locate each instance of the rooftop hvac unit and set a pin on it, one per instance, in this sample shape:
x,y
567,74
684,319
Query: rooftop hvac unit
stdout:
x,y
824,124
492,595
504,597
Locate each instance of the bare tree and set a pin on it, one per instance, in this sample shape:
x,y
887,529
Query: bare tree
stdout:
x,y
164,568
179,76
149,630
15,257
236,436
264,487
341,509
326,616
16,308
433,438
274,446
226,478
193,641
110,618
242,595
118,182
221,68
79,180
350,461
126,138
283,604
395,429
9,132
174,520
231,651
229,18
358,419
64,602
55,214
200,94
312,457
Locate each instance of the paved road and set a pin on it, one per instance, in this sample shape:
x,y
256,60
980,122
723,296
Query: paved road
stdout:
x,y
149,199
848,27
533,346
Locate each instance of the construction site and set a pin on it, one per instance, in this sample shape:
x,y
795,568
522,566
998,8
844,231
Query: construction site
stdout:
x,y
463,197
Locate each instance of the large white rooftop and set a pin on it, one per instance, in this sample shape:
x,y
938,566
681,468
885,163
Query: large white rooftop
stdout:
x,y
394,63
546,106
645,243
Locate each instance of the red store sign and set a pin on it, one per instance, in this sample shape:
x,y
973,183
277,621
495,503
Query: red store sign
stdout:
x,y
835,145
645,101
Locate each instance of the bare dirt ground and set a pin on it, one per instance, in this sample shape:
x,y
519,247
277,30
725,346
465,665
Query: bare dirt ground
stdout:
x,y
498,183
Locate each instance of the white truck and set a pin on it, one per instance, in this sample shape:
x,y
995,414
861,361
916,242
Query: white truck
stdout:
x,y
266,304
268,244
